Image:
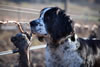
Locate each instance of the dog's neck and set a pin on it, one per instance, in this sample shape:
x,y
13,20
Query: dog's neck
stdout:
x,y
54,44
65,54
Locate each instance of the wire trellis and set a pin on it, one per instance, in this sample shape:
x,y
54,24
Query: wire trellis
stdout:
x,y
16,50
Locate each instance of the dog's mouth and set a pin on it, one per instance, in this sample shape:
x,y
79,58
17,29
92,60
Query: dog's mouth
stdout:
x,y
38,34
33,32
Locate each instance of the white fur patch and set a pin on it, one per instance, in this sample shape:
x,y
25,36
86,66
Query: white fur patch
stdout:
x,y
40,28
65,55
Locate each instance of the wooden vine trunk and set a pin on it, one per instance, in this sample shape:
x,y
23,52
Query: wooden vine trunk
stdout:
x,y
22,43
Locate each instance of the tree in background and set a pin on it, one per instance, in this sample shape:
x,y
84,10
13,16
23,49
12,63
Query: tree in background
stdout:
x,y
98,29
97,1
1,28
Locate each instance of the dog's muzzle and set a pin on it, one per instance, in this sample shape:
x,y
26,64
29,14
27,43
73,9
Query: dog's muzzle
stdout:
x,y
33,24
35,28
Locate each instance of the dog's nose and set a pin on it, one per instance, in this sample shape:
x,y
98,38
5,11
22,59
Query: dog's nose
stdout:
x,y
33,23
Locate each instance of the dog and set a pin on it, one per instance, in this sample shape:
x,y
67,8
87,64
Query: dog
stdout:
x,y
64,47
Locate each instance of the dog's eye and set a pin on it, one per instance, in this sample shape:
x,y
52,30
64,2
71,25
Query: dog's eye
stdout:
x,y
47,18
40,25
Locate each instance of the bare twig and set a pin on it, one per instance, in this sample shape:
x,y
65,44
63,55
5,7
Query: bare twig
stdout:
x,y
1,22
20,27
18,24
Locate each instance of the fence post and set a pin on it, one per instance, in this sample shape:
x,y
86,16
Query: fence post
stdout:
x,y
22,43
65,5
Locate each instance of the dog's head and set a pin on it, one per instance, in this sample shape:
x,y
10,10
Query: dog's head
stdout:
x,y
53,22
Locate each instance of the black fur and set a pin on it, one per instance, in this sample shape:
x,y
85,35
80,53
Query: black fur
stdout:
x,y
58,24
90,52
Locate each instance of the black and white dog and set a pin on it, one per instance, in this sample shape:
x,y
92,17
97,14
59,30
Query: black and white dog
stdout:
x,y
64,48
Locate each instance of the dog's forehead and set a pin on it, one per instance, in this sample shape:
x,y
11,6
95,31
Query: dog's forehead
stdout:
x,y
43,11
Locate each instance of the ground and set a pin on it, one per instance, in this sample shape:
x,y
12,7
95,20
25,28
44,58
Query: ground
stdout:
x,y
81,14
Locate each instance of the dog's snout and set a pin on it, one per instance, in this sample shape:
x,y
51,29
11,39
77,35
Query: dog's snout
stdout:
x,y
33,23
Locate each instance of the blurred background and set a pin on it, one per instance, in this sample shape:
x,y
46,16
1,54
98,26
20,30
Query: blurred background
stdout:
x,y
85,14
